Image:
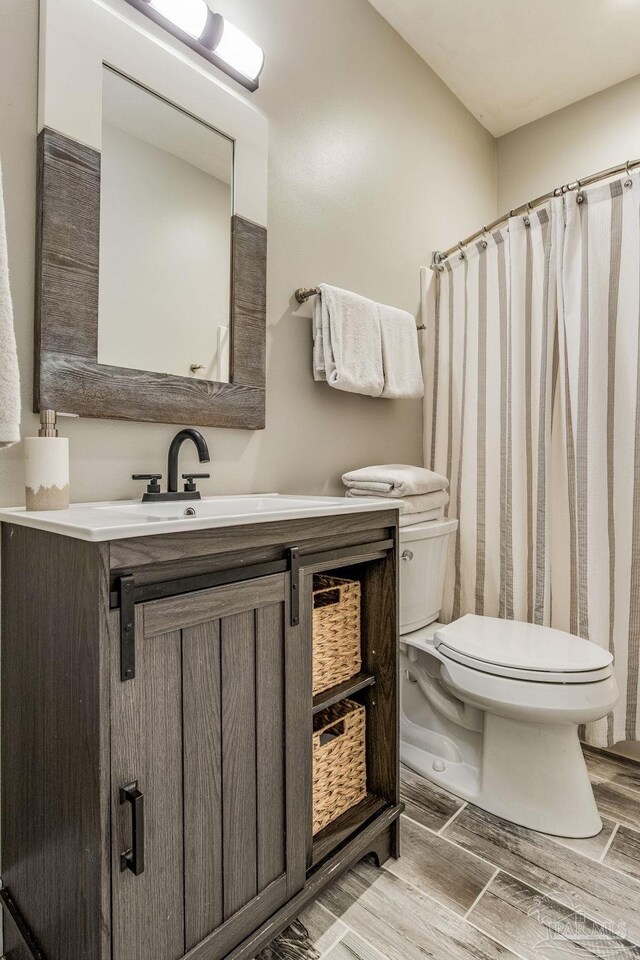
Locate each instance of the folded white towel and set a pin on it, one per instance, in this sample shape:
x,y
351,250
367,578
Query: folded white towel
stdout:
x,y
415,504
395,480
347,350
400,355
9,377
411,519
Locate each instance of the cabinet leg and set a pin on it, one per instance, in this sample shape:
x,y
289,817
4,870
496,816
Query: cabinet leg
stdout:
x,y
386,845
395,839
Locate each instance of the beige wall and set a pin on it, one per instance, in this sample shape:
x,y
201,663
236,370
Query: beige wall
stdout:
x,y
373,162
593,134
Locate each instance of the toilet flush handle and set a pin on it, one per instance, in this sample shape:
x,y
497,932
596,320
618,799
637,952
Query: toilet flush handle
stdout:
x,y
406,555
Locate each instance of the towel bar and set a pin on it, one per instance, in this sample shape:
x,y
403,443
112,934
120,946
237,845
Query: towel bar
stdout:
x,y
305,293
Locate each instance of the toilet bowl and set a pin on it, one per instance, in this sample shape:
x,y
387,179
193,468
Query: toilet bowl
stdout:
x,y
490,708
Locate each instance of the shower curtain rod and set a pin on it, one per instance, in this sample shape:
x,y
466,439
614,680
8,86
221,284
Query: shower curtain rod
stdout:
x,y
439,257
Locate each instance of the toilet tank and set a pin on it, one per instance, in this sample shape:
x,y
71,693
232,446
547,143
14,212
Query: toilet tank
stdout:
x,y
424,550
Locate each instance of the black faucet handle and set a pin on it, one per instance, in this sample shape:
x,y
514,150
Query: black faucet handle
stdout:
x,y
190,486
153,486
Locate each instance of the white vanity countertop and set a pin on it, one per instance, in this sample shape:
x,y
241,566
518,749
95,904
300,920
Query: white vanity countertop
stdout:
x,y
122,519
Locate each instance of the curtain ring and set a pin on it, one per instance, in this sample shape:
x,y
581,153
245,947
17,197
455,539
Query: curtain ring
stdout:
x,y
628,182
527,216
461,249
484,240
580,197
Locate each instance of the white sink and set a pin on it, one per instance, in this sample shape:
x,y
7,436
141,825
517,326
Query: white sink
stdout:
x,y
122,519
216,508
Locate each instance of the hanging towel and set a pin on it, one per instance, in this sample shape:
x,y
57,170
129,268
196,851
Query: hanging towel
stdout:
x,y
347,349
319,367
395,480
400,355
411,519
418,504
9,377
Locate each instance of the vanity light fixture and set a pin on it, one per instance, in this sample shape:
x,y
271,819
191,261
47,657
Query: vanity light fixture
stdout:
x,y
210,35
188,15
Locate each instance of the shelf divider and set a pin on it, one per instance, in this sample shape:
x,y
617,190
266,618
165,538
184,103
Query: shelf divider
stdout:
x,y
327,698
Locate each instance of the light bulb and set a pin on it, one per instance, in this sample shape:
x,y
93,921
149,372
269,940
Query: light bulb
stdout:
x,y
189,15
239,51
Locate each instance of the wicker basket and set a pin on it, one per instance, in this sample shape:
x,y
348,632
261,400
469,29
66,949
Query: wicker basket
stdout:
x,y
339,761
336,631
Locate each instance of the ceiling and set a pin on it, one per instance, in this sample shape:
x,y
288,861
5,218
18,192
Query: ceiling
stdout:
x,y
510,61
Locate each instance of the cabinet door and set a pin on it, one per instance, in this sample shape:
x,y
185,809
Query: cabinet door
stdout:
x,y
215,732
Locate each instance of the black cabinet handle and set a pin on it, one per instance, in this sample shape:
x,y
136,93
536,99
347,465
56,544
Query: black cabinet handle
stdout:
x,y
133,859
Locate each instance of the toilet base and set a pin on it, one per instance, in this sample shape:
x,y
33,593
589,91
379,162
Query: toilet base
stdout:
x,y
533,775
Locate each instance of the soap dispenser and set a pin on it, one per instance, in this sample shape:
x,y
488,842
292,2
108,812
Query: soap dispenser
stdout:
x,y
47,466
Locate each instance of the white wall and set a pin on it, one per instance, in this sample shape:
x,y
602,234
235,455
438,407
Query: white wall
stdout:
x,y
373,163
591,135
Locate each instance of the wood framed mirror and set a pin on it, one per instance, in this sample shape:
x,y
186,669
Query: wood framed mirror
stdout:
x,y
151,240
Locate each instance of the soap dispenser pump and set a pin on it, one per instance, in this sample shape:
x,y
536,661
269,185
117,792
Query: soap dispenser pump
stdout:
x,y
47,466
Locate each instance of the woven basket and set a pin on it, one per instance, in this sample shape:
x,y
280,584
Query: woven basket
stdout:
x,y
336,631
339,765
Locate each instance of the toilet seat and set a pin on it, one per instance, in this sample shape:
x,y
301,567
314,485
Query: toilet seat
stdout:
x,y
522,651
543,703
536,676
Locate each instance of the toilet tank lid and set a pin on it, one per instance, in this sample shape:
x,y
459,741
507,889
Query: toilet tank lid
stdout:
x,y
424,531
525,646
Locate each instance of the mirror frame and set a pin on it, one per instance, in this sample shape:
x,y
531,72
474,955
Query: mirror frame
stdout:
x,y
78,38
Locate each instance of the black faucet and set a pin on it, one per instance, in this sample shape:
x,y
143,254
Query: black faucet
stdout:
x,y
154,494
174,453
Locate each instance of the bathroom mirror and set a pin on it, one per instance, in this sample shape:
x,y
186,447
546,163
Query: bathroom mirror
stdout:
x,y
166,201
151,243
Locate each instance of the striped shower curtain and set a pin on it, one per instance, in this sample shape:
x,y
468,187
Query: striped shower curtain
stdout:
x,y
534,415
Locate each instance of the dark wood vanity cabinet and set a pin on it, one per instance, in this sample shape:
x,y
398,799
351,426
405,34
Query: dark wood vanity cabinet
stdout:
x,y
213,729
167,813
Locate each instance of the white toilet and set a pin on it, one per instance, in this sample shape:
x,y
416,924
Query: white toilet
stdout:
x,y
490,708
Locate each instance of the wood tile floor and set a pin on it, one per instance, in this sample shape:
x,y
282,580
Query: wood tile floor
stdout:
x,y
470,886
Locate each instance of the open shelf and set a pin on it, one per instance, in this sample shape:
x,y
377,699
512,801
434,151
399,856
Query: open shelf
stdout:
x,y
327,698
335,834
375,687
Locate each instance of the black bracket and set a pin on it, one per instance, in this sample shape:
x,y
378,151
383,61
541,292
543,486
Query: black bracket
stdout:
x,y
126,589
293,554
28,940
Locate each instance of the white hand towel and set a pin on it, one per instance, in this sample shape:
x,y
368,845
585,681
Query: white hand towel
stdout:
x,y
347,332
416,504
400,355
319,369
9,377
411,519
395,480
